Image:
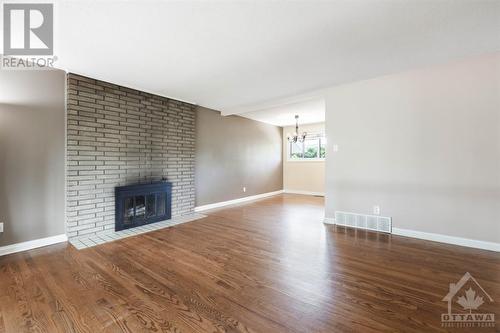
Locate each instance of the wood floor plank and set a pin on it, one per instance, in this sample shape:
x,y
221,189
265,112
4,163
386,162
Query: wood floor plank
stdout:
x,y
265,266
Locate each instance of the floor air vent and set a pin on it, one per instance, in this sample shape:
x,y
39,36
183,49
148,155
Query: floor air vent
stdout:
x,y
361,221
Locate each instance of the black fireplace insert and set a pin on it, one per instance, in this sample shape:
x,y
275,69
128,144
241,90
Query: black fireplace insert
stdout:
x,y
142,204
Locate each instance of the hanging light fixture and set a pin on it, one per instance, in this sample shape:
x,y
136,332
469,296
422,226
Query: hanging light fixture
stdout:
x,y
295,136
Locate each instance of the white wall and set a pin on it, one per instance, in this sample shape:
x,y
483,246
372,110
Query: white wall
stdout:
x,y
303,176
424,145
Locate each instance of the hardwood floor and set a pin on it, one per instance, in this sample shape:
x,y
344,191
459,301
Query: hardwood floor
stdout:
x,y
268,266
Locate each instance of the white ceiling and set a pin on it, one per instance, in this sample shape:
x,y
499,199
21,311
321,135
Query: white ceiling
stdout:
x,y
231,54
309,112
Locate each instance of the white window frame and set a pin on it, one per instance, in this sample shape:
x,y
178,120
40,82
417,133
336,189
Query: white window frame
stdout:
x,y
305,159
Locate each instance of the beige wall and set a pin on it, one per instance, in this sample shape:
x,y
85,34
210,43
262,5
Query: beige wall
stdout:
x,y
424,145
303,176
31,155
233,152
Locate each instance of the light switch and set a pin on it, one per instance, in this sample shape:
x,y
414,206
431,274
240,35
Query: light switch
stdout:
x,y
335,147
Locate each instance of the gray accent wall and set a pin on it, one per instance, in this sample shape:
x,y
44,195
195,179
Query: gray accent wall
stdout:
x,y
424,145
32,126
233,152
119,136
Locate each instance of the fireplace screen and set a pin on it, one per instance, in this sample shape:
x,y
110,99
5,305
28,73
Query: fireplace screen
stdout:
x,y
142,204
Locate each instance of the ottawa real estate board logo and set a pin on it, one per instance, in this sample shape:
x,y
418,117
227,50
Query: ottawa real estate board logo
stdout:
x,y
28,36
468,294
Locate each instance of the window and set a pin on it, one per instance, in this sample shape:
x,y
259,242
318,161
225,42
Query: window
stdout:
x,y
313,148
296,150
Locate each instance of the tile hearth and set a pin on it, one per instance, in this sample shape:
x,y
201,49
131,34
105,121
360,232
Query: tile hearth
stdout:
x,y
86,242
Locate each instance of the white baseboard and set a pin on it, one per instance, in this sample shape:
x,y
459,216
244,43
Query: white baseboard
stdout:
x,y
236,201
329,220
321,194
33,244
478,244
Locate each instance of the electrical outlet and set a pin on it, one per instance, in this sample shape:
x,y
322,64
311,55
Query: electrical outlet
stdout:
x,y
244,189
1,226
376,210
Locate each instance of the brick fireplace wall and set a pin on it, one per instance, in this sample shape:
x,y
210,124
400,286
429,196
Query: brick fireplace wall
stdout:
x,y
119,136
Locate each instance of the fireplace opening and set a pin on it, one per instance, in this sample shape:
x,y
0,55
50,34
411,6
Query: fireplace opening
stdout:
x,y
142,204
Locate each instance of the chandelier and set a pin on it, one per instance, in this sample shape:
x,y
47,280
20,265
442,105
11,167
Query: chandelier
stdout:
x,y
294,137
